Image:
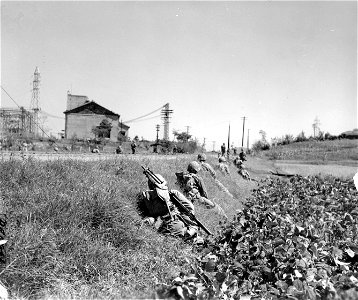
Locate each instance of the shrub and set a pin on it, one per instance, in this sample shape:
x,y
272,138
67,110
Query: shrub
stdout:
x,y
259,146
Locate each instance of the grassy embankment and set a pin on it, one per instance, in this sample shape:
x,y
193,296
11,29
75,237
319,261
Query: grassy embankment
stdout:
x,y
317,152
338,158
73,229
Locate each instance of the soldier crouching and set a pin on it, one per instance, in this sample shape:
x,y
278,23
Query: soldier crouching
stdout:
x,y
155,204
194,188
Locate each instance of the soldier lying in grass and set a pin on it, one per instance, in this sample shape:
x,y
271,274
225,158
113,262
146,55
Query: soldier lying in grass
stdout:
x,y
208,168
242,169
194,188
205,166
222,166
156,205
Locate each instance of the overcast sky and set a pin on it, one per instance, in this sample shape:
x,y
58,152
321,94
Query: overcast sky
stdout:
x,y
280,64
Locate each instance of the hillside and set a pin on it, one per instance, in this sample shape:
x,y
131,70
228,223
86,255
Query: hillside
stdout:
x,y
341,151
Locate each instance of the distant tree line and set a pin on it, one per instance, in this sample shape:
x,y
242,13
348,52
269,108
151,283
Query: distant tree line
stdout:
x,y
287,139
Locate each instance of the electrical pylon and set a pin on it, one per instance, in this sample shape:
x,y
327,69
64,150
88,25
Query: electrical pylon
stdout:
x,y
34,106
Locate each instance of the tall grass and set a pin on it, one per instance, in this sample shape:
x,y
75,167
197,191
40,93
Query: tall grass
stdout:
x,y
74,231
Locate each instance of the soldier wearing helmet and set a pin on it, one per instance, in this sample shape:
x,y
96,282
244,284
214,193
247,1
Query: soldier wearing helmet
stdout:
x,y
223,149
194,188
205,166
242,155
155,204
222,166
242,169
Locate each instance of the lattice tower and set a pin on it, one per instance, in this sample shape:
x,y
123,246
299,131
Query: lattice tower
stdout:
x,y
35,106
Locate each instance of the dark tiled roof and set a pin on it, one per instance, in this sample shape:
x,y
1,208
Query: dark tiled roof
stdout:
x,y
93,106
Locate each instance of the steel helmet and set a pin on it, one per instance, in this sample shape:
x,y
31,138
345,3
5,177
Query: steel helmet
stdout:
x,y
201,157
163,186
193,167
222,159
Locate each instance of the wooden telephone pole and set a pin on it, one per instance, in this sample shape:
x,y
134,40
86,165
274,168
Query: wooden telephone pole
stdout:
x,y
243,131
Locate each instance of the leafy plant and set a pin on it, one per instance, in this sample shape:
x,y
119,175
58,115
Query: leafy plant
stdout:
x,y
294,239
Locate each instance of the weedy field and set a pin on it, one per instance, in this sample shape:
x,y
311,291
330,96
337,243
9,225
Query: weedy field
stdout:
x,y
73,229
74,232
317,152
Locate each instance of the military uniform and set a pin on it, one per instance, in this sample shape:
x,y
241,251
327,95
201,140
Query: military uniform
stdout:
x,y
242,155
119,150
155,204
223,149
242,169
222,166
205,166
133,146
194,188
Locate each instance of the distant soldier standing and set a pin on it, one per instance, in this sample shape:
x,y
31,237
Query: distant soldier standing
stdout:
x,y
175,149
133,146
223,149
242,155
235,151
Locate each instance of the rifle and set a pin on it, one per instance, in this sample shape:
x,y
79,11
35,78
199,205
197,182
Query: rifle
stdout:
x,y
183,209
152,177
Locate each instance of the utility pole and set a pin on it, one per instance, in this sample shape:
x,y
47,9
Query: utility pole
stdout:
x,y
187,132
315,126
213,145
157,140
243,131
157,129
204,143
187,129
248,135
166,112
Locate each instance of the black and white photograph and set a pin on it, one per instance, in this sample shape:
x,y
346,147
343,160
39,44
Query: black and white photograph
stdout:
x,y
189,150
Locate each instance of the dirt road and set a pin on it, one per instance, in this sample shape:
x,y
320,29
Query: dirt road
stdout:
x,y
257,167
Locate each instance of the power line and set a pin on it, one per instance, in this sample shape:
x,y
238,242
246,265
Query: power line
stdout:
x,y
10,97
157,116
132,120
50,115
36,123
